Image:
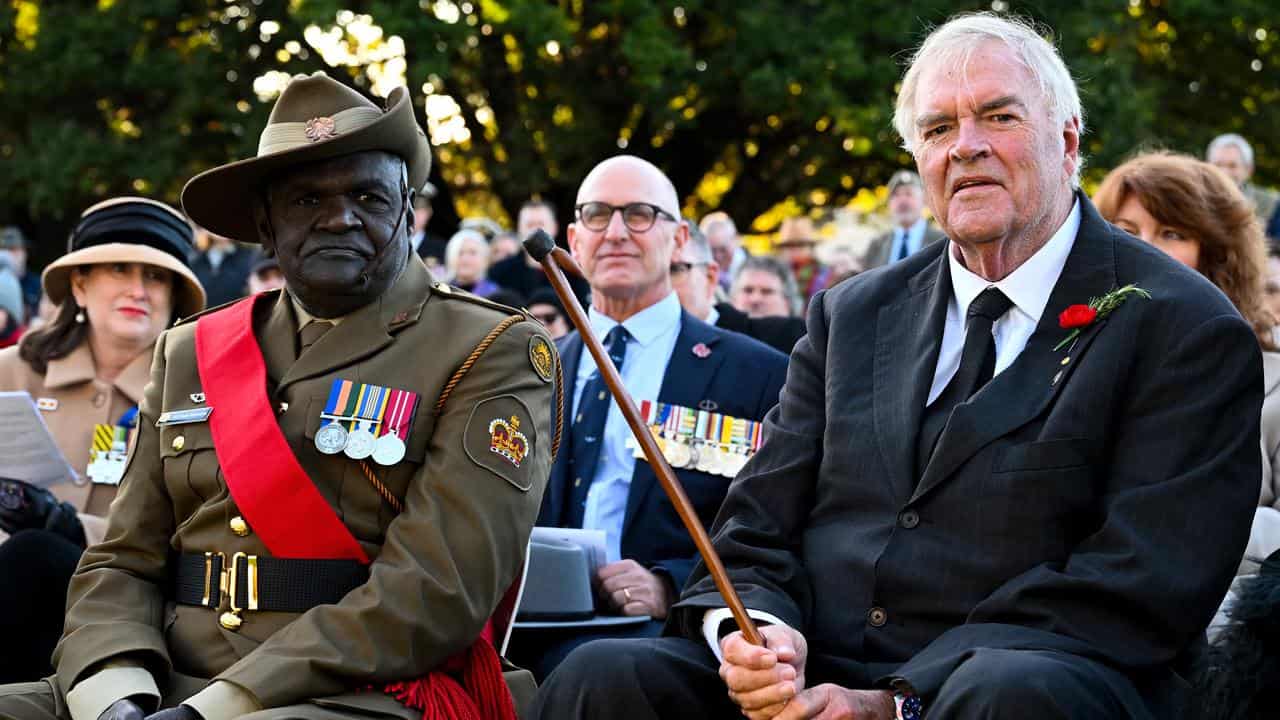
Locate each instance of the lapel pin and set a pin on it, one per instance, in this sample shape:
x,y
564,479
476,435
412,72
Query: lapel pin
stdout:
x,y
1056,378
701,350
1066,360
197,397
708,405
47,404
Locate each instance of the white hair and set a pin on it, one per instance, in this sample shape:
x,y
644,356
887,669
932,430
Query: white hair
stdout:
x,y
1231,140
454,248
953,44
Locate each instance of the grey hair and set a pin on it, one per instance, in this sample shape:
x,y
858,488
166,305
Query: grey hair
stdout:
x,y
765,263
953,44
1231,140
698,249
454,247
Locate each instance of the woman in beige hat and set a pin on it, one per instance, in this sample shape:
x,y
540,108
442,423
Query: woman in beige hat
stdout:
x,y
123,282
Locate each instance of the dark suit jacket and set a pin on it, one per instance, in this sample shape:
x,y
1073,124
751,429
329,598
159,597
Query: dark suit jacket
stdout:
x,y
1094,499
779,333
878,252
741,376
230,280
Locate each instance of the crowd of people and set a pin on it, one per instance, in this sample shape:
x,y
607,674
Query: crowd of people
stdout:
x,y
1019,456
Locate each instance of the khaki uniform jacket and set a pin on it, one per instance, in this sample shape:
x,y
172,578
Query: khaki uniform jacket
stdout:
x,y
82,401
438,569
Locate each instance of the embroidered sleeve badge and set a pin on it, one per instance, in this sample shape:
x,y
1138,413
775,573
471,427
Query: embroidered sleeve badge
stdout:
x,y
541,357
506,440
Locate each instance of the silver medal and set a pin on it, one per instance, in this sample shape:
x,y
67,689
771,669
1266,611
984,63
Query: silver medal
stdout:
x,y
331,438
388,449
359,444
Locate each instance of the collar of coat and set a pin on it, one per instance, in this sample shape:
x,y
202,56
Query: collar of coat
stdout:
x,y
78,367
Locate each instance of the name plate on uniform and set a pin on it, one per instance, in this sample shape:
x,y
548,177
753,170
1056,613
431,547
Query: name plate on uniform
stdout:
x,y
699,439
184,417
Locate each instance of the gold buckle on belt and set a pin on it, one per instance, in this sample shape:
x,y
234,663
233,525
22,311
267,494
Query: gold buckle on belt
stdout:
x,y
208,576
231,620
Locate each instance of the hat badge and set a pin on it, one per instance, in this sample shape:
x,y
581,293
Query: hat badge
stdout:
x,y
321,128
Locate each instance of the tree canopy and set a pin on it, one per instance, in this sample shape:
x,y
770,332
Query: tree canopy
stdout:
x,y
762,109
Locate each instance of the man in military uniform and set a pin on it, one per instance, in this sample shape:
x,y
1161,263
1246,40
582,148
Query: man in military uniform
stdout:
x,y
333,484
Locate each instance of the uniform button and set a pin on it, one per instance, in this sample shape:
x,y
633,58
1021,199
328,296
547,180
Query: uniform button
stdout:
x,y
230,621
909,519
99,399
577,482
179,442
877,617
239,526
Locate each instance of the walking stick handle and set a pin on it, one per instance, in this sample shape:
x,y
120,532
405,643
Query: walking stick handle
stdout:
x,y
543,249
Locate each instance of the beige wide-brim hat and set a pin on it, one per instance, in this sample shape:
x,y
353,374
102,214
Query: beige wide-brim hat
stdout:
x,y
795,232
315,118
130,230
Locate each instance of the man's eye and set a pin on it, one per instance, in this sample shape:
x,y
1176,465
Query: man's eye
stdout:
x,y
308,200
1003,118
368,197
935,131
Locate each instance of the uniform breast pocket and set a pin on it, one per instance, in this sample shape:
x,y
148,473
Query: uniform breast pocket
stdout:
x,y
1040,494
190,464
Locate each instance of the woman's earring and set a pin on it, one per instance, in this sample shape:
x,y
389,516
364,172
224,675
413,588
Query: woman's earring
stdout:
x,y
80,316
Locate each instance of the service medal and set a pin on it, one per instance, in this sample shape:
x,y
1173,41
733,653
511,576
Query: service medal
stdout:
x,y
678,453
359,444
388,450
331,439
705,458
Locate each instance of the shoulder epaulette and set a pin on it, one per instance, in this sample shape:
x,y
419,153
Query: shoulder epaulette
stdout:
x,y
445,290
214,309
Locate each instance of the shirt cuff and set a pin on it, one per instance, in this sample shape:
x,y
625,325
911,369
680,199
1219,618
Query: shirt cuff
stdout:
x,y
93,695
712,619
222,700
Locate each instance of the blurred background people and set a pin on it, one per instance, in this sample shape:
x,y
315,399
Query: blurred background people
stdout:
x,y
796,240
520,273
765,287
726,246
545,305
502,246
466,260
265,275
694,277
1234,155
430,247
123,282
13,245
222,267
910,231
13,311
1197,215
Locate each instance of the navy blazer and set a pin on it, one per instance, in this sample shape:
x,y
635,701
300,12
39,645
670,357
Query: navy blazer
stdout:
x,y
740,376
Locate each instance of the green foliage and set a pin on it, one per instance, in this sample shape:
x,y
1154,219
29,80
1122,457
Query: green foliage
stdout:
x,y
743,104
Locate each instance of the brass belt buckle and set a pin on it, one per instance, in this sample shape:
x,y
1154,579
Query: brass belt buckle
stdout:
x,y
208,578
231,620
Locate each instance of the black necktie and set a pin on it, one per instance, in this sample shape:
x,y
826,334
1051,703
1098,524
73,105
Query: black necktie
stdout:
x,y
977,367
588,428
903,251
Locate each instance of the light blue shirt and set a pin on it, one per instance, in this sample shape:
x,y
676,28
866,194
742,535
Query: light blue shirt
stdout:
x,y
653,337
913,237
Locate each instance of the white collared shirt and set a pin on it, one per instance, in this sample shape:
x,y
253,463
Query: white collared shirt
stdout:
x,y
653,338
1028,287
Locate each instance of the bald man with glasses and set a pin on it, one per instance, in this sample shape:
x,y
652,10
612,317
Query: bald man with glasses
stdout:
x,y
626,233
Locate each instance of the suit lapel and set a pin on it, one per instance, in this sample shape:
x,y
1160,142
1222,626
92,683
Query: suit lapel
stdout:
x,y
278,338
367,330
685,383
908,339
570,348
1028,386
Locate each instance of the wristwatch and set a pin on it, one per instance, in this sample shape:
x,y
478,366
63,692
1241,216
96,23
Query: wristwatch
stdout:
x,y
909,707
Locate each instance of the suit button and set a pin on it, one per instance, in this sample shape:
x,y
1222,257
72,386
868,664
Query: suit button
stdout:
x,y
99,399
877,617
239,526
179,443
577,482
909,519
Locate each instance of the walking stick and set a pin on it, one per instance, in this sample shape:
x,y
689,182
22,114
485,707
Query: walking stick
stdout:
x,y
544,250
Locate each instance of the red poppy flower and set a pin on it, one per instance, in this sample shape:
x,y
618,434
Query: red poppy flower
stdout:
x,y
1077,316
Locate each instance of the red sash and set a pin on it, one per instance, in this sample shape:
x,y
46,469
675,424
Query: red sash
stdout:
x,y
286,510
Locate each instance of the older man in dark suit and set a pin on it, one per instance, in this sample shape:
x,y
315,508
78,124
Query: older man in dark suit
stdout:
x,y
627,231
964,508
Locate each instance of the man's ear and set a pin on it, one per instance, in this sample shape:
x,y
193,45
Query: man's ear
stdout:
x,y
262,222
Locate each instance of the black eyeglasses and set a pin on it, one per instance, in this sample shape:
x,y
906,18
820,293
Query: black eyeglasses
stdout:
x,y
637,216
679,268
546,318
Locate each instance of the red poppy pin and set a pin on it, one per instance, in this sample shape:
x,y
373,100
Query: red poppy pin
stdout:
x,y
1078,317
701,350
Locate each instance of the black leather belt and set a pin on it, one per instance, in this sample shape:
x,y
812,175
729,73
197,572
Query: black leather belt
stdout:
x,y
265,583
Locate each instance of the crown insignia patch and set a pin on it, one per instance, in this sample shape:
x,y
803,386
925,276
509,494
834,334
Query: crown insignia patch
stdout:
x,y
320,128
506,440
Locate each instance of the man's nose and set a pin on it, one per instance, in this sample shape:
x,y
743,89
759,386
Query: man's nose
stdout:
x,y
971,142
337,215
617,228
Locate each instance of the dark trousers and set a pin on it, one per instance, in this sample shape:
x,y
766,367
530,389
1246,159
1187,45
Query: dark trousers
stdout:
x,y
541,651
676,677
35,569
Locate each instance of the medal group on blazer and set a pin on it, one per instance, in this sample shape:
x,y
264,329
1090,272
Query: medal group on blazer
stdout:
x,y
699,439
366,421
109,449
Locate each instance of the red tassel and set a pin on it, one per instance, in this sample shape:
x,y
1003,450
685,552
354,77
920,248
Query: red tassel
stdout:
x,y
485,684
482,695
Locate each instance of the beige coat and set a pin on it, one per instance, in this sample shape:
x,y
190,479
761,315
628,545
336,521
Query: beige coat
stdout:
x,y
79,401
439,568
